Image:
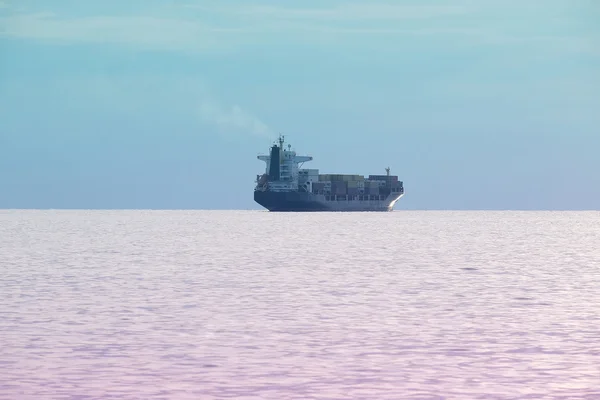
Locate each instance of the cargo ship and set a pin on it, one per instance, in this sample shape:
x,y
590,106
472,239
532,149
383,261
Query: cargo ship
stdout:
x,y
285,186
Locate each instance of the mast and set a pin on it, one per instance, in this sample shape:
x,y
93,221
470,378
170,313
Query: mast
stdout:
x,y
389,184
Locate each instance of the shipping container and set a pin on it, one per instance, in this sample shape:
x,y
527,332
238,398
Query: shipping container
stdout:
x,y
385,178
338,187
373,191
352,192
352,178
341,177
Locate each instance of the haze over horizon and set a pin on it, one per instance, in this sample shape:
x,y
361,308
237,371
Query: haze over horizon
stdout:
x,y
166,104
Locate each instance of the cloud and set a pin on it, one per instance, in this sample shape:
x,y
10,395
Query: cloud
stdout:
x,y
215,27
202,31
359,11
141,31
232,118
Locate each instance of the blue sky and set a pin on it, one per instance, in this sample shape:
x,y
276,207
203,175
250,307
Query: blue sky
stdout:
x,y
165,104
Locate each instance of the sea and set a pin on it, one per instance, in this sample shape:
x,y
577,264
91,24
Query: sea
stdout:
x,y
258,305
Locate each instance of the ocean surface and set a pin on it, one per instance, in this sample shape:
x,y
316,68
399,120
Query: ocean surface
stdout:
x,y
259,305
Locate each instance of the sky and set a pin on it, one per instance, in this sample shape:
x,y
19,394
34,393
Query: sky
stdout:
x,y
165,104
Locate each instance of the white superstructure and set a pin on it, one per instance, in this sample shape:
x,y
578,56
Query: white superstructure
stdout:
x,y
290,175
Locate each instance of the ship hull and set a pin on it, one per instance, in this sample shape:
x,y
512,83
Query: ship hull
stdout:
x,y
309,202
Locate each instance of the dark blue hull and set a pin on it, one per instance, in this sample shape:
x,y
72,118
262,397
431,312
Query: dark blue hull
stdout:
x,y
288,201
303,201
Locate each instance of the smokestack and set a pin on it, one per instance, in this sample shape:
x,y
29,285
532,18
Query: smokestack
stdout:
x,y
274,174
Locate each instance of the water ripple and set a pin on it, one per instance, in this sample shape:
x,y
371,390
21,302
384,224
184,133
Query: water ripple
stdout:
x,y
257,305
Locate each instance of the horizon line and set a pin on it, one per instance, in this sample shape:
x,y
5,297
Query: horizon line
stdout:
x,y
305,212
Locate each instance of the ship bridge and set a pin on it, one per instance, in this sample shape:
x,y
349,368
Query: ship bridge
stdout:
x,y
282,169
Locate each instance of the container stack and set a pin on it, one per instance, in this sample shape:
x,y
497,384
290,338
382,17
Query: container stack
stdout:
x,y
372,188
339,188
385,178
318,187
353,188
340,177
